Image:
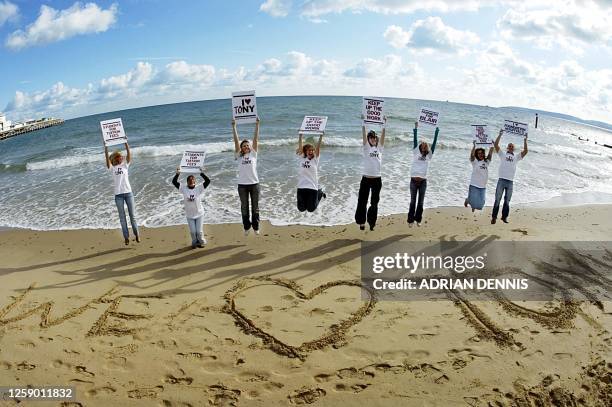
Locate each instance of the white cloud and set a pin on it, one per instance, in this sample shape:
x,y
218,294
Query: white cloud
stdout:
x,y
130,81
276,8
571,24
317,8
58,97
182,72
8,11
53,25
431,34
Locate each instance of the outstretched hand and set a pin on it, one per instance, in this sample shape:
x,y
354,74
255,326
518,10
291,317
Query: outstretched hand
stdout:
x,y
178,170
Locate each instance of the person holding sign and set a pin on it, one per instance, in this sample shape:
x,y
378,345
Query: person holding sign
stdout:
x,y
480,175
308,192
507,170
123,190
248,181
194,211
418,175
371,179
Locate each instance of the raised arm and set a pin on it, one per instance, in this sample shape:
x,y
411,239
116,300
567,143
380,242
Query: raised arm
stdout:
x,y
525,151
490,155
256,135
206,179
300,144
318,148
363,131
496,145
235,136
435,141
129,155
382,136
108,163
472,157
416,140
175,179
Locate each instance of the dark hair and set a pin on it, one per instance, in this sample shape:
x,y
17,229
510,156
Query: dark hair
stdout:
x,y
372,133
191,176
480,149
305,148
241,144
421,145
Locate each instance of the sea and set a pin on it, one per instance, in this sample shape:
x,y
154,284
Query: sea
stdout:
x,y
56,178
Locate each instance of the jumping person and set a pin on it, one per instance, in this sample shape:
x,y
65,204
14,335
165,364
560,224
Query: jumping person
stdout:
x,y
248,181
123,190
308,192
194,211
418,175
480,175
507,169
371,179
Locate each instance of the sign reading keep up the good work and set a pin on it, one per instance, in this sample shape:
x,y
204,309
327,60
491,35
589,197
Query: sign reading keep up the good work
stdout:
x,y
313,124
373,111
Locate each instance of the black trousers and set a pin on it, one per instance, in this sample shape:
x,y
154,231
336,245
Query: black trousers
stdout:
x,y
417,195
245,192
367,185
308,199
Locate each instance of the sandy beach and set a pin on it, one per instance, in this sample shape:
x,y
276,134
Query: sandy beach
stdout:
x,y
255,321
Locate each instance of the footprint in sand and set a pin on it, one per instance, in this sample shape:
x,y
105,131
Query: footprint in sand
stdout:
x,y
145,393
25,366
178,380
522,231
223,396
100,390
27,344
306,395
266,308
83,370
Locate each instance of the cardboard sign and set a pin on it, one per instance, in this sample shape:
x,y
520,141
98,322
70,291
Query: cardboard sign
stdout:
x,y
516,128
429,117
373,111
480,134
244,107
192,161
112,132
313,124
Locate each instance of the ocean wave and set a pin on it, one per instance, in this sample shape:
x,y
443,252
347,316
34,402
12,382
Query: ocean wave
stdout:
x,y
8,168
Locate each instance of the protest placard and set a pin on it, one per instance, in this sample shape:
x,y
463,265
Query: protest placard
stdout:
x,y
192,161
313,124
429,117
244,107
373,111
516,128
480,134
112,132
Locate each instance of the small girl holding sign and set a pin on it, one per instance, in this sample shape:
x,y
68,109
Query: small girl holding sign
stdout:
x,y
308,192
418,175
480,175
194,211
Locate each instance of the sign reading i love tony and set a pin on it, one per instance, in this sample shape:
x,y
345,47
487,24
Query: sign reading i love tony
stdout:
x,y
244,107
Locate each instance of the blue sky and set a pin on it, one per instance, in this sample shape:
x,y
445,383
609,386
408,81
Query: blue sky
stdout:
x,y
68,59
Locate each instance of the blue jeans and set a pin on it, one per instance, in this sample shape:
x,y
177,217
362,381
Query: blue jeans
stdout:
x,y
415,212
476,197
128,199
195,229
502,185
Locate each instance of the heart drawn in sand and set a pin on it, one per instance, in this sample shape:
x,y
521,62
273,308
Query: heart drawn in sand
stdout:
x,y
334,335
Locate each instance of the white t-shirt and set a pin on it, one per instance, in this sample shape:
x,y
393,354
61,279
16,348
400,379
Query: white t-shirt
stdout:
x,y
193,200
121,181
372,158
308,175
420,164
480,173
507,165
247,168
